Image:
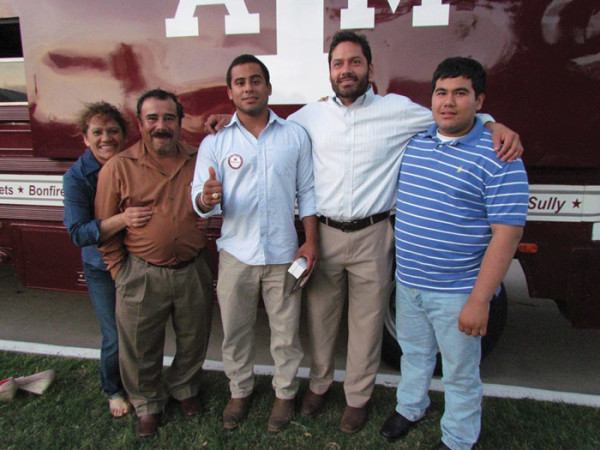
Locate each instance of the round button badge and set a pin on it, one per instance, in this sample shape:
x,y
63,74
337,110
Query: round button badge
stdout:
x,y
235,161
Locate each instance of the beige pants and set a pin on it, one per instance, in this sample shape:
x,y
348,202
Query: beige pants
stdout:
x,y
238,291
146,296
357,265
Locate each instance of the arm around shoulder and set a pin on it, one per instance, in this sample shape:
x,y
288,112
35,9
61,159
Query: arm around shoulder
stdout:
x,y
507,143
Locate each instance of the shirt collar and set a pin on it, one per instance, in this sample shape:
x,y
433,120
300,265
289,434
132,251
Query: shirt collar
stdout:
x,y
272,118
90,163
139,151
364,99
471,138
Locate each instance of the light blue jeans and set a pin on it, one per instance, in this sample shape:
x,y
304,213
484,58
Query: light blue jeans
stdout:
x,y
425,322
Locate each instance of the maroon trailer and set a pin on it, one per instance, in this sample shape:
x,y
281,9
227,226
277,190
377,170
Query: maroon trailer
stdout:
x,y
543,60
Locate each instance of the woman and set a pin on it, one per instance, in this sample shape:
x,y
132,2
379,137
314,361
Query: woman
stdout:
x,y
104,133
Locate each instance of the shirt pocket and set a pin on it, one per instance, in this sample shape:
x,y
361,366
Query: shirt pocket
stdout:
x,y
283,161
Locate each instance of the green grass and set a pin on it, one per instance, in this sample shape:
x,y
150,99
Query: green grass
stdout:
x,y
73,414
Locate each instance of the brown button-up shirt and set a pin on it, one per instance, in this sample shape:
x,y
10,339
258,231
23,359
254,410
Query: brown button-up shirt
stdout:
x,y
133,178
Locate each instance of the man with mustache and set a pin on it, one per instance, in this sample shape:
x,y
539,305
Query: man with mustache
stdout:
x,y
160,270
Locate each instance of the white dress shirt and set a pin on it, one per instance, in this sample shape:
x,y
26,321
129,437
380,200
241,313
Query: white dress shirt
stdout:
x,y
261,179
357,151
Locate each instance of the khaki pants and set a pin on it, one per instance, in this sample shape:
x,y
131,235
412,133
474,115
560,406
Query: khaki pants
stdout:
x,y
358,265
146,296
238,291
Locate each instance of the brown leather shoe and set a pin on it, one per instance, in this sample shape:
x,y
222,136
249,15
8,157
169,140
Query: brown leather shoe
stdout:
x,y
190,407
312,404
353,419
235,412
147,425
281,414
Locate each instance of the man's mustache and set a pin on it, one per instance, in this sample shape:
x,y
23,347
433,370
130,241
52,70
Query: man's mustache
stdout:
x,y
346,76
162,134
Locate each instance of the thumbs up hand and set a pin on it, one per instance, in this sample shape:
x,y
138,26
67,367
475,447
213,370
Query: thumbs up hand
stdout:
x,y
212,175
212,193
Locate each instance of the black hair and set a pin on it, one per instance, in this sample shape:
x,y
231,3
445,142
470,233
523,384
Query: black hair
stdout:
x,y
246,59
351,36
161,95
465,67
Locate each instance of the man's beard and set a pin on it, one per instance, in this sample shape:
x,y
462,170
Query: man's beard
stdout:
x,y
354,92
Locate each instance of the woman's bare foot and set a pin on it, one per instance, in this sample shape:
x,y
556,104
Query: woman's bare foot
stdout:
x,y
118,406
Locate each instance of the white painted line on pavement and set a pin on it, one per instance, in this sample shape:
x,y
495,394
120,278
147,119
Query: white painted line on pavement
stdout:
x,y
46,349
387,380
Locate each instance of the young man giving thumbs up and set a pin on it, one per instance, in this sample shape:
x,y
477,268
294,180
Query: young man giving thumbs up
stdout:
x,y
251,172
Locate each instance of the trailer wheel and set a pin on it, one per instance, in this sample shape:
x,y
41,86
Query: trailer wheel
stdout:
x,y
391,351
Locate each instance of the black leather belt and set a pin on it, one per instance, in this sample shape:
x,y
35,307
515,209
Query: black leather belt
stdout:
x,y
354,225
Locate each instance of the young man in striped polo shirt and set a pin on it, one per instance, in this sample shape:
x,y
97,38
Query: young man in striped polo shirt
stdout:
x,y
459,218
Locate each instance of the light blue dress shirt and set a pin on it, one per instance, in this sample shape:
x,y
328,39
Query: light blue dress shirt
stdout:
x,y
261,180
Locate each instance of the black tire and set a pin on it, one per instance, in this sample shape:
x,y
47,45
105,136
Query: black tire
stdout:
x,y
391,351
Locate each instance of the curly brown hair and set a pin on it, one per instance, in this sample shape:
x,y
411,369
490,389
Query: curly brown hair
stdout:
x,y
103,109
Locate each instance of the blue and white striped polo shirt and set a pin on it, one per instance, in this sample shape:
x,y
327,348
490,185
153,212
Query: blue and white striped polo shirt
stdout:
x,y
448,195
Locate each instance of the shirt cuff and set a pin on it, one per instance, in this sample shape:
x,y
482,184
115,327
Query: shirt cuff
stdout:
x,y
205,215
485,118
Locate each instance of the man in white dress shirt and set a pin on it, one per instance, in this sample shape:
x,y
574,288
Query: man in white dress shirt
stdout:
x,y
251,172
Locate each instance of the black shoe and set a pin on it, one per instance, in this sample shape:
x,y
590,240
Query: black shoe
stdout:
x,y
441,446
395,427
